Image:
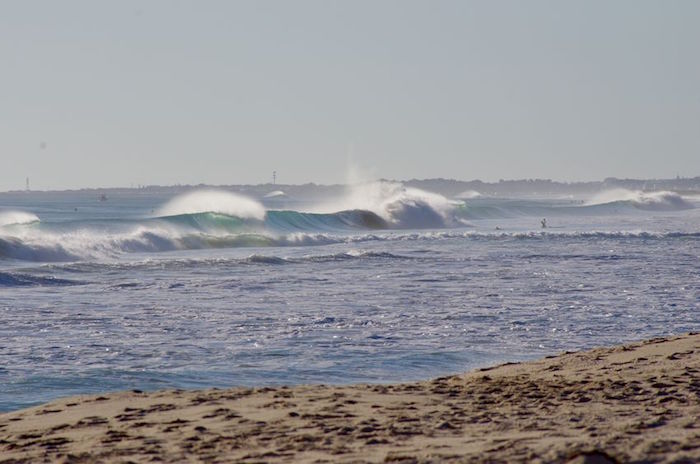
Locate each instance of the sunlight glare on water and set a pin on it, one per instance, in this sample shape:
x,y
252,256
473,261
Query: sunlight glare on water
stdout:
x,y
114,297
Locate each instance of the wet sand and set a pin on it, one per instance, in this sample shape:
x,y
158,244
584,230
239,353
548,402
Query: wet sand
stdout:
x,y
639,402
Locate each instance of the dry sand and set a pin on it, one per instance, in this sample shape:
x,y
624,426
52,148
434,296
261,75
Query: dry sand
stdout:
x,y
639,402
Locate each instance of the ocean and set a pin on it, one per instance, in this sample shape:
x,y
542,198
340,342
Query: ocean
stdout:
x,y
209,288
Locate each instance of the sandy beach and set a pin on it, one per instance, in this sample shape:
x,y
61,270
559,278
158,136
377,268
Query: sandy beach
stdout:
x,y
639,402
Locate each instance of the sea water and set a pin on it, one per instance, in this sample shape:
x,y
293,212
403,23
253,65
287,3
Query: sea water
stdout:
x,y
145,291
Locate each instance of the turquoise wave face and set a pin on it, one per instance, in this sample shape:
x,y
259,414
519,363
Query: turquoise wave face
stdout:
x,y
78,235
489,208
279,222
211,222
107,238
292,221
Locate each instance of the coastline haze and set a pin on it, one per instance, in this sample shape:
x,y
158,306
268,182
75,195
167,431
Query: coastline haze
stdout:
x,y
166,93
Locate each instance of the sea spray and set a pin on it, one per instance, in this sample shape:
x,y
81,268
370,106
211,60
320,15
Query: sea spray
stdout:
x,y
370,212
468,195
213,201
8,218
401,207
661,200
326,301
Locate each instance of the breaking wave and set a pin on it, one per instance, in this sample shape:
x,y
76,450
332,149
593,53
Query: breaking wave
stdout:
x,y
654,201
213,201
217,219
72,249
399,206
8,218
607,203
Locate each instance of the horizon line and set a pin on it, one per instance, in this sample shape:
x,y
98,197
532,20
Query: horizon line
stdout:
x,y
433,179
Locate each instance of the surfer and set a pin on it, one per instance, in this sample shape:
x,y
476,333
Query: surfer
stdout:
x,y
544,223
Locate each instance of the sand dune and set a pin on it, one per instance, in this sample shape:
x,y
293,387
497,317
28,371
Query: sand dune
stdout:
x,y
639,402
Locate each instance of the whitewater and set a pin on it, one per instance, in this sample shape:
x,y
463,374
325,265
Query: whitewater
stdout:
x,y
211,287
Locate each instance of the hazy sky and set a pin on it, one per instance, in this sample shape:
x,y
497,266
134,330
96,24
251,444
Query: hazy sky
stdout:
x,y
114,93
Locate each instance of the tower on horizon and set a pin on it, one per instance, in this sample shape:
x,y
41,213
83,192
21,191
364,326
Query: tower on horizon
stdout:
x,y
274,177
27,187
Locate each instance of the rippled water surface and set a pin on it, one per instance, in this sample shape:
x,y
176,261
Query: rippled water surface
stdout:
x,y
331,306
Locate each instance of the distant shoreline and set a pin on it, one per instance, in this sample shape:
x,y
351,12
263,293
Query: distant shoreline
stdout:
x,y
447,187
634,402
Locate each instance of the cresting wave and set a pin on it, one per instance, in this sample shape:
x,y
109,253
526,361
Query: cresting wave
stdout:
x,y
148,241
213,201
609,203
653,201
221,219
374,205
8,218
399,206
380,211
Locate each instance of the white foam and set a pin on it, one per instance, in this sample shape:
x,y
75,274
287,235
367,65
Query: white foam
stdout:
x,y
275,194
468,195
400,206
646,200
213,201
17,217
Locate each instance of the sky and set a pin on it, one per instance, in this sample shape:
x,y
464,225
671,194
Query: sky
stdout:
x,y
121,93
